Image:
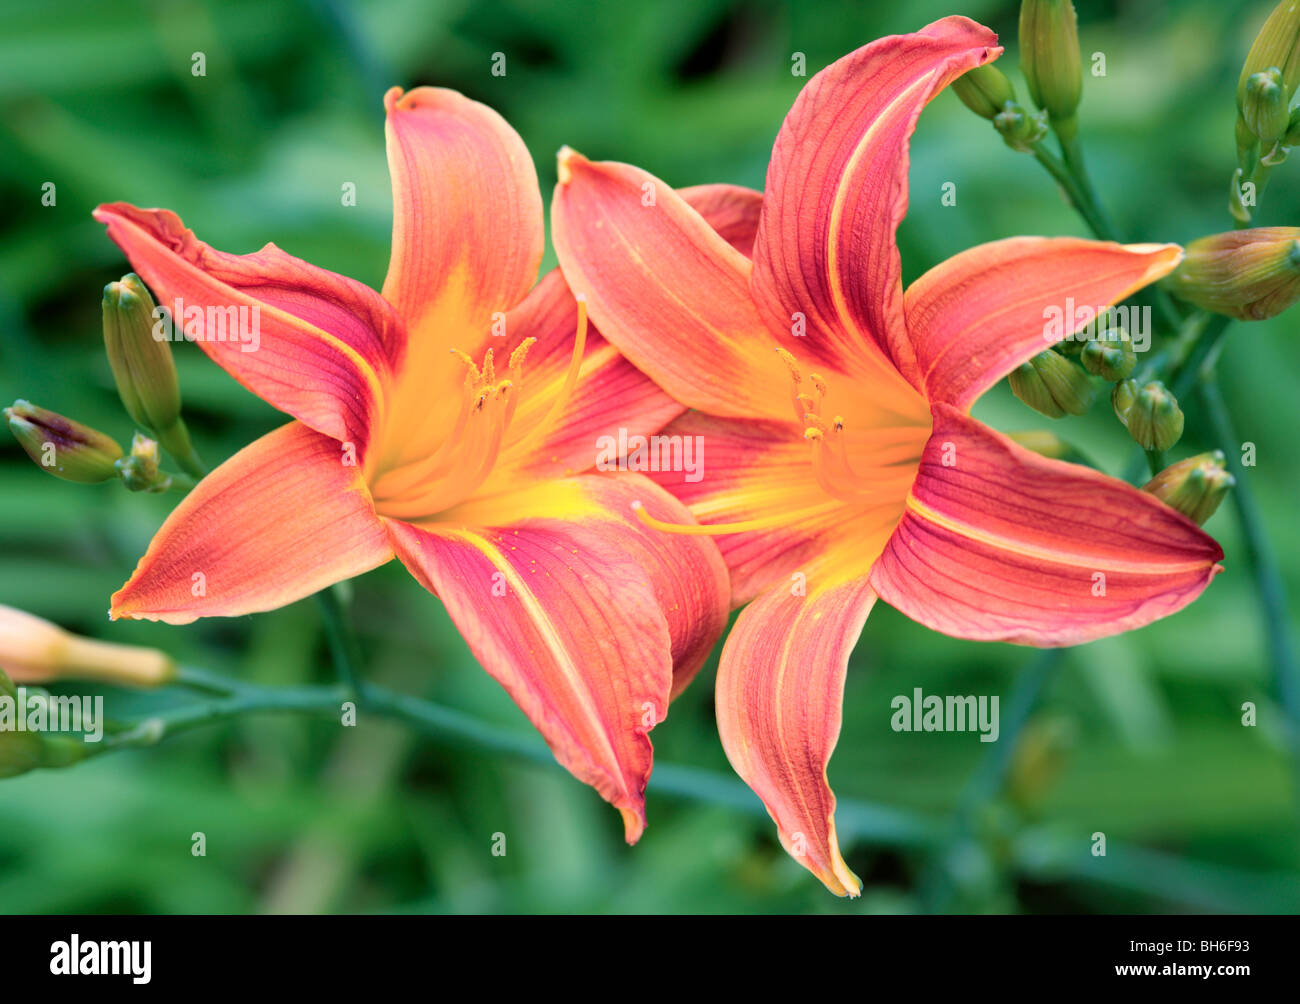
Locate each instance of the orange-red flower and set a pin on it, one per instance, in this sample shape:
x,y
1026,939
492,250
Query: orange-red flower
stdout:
x,y
449,422
845,465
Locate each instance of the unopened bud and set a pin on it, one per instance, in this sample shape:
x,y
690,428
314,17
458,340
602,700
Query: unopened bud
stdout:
x,y
33,650
1049,57
1194,486
142,365
1264,108
23,749
1018,129
1110,355
985,90
1052,385
139,471
1247,274
1122,398
1276,45
64,448
1152,415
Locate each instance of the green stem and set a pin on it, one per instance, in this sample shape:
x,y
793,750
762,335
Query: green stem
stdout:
x,y
1072,153
1268,576
1066,180
855,819
176,441
1072,175
342,640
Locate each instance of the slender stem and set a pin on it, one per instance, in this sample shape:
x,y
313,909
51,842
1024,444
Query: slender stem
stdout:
x,y
1066,180
342,639
1072,176
1268,576
1072,152
857,819
177,442
206,682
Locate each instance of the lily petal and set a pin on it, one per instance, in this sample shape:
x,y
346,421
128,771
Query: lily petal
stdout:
x,y
554,435
977,316
467,216
1002,544
731,210
579,614
837,190
668,291
319,346
779,694
760,471
281,519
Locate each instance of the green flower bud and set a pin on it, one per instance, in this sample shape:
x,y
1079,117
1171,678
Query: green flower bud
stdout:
x,y
142,365
1052,385
1020,130
22,750
1194,486
1153,417
1049,57
1110,355
985,90
1264,108
1122,398
139,471
1250,274
64,448
1277,45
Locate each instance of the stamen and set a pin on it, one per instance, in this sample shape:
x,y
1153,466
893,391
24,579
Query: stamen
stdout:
x,y
570,380
717,529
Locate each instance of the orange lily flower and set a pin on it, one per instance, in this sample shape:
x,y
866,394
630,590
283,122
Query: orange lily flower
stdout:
x,y
448,422
881,484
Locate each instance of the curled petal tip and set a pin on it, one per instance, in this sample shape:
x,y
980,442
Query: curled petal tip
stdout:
x,y
565,160
633,823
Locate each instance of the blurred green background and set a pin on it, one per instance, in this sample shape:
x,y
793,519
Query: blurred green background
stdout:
x,y
1137,737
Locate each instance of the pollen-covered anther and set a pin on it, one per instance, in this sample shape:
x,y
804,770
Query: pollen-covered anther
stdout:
x,y
830,460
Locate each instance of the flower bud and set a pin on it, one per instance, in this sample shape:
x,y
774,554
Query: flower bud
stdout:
x,y
1247,274
1122,398
64,448
1152,414
1110,355
1049,57
23,749
142,365
1264,107
985,90
33,650
139,471
1194,486
1019,129
1276,45
1051,384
